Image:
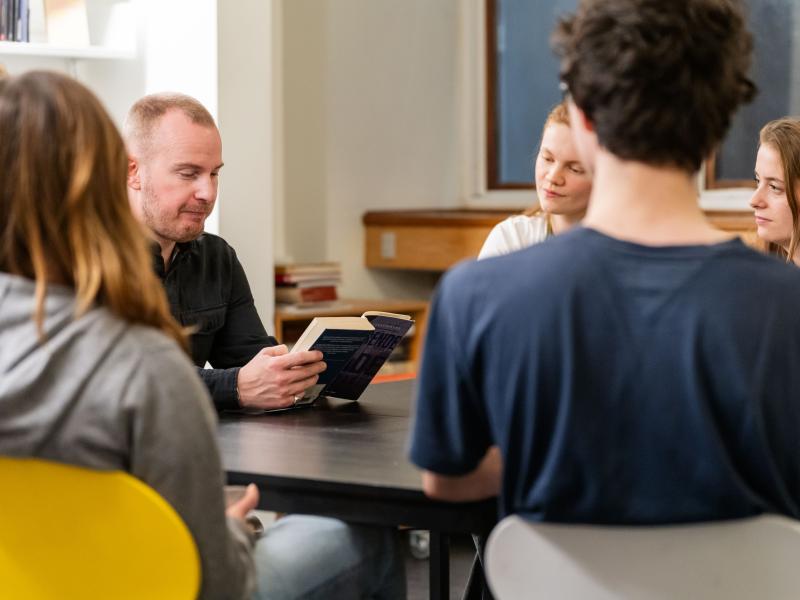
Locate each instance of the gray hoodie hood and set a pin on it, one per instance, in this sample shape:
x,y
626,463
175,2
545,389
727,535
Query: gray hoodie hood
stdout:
x,y
40,383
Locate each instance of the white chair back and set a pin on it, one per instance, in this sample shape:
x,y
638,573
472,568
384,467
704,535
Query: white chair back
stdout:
x,y
753,559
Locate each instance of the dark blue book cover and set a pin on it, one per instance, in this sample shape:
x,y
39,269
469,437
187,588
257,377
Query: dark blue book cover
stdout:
x,y
353,378
338,346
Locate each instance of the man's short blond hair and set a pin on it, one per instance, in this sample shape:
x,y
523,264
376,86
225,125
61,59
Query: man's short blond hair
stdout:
x,y
144,115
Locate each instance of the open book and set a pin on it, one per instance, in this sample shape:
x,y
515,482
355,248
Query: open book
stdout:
x,y
354,348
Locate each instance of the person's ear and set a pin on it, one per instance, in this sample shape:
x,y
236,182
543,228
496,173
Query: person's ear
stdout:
x,y
579,117
134,182
583,135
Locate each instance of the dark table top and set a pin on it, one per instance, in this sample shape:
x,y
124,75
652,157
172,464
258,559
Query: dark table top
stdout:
x,y
343,459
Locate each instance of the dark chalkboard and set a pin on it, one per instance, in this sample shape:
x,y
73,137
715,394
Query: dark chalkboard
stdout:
x,y
523,85
775,47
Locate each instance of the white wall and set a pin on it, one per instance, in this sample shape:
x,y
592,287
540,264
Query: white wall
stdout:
x,y
246,126
371,122
178,49
301,232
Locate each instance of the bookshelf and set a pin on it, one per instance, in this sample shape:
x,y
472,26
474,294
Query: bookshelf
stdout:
x,y
44,50
99,30
291,321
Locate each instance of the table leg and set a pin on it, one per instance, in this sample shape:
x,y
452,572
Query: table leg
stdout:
x,y
439,566
477,587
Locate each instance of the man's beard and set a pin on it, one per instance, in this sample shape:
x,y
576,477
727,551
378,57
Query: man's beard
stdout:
x,y
175,233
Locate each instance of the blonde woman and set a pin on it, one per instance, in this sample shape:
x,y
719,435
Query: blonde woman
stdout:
x,y
92,366
563,187
775,201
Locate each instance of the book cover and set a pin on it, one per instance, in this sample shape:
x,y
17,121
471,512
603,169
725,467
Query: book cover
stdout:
x,y
362,367
301,295
24,21
307,279
329,268
354,348
12,20
4,6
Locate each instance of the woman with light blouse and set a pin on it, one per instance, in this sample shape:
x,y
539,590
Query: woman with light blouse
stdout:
x,y
562,184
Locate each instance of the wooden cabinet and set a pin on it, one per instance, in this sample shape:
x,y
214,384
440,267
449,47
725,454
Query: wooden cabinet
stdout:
x,y
739,222
291,321
427,240
434,240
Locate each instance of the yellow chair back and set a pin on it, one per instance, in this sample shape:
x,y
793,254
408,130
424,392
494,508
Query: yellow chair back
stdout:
x,y
72,533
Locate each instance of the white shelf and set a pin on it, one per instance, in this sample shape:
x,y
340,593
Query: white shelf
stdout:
x,y
50,51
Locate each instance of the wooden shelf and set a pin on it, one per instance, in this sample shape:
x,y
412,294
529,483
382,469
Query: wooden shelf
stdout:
x,y
434,240
290,321
51,51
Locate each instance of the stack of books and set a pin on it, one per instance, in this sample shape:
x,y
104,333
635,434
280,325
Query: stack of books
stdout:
x,y
14,21
307,283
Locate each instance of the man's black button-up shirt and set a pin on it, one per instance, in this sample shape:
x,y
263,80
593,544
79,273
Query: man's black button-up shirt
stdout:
x,y
208,290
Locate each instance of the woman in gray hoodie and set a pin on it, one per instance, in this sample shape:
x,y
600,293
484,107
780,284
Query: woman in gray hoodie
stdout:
x,y
92,367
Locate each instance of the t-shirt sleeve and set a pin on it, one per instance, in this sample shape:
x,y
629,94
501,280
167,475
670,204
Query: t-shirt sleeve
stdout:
x,y
450,432
174,450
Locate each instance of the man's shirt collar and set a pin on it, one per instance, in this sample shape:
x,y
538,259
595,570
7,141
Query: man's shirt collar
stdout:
x,y
190,247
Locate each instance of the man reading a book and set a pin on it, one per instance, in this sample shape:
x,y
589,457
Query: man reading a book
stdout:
x,y
175,160
641,368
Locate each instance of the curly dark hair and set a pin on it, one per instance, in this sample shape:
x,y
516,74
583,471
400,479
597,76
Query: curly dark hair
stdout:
x,y
660,80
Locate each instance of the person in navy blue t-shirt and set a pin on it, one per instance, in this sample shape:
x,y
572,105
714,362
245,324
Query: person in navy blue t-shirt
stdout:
x,y
642,368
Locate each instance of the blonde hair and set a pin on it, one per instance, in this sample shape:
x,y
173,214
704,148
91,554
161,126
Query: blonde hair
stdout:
x,y
559,114
144,115
64,212
784,136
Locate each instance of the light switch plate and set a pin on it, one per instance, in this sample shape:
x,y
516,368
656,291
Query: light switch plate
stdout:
x,y
388,245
